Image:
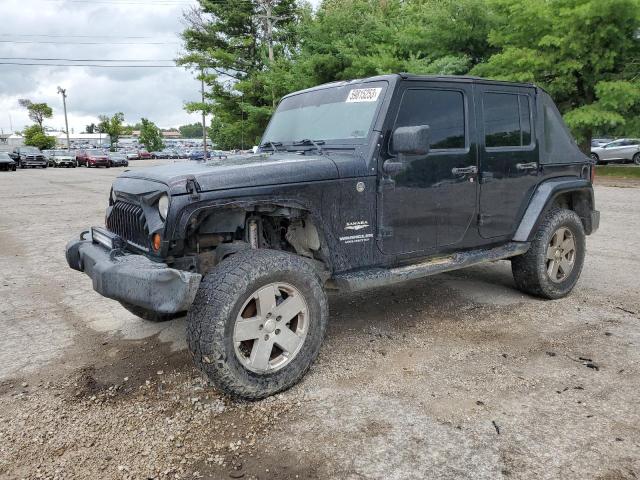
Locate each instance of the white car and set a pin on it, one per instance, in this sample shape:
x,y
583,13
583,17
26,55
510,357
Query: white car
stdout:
x,y
622,150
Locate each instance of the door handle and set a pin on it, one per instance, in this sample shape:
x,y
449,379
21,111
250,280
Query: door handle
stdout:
x,y
527,166
464,170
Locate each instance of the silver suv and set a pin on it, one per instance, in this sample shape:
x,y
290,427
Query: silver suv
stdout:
x,y
622,150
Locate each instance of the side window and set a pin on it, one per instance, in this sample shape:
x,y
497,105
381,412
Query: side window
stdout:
x,y
507,120
442,110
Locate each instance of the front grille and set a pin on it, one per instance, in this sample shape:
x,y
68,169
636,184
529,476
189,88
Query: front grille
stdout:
x,y
128,221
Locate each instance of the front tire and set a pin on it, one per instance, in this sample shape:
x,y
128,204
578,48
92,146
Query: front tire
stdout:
x,y
552,265
257,323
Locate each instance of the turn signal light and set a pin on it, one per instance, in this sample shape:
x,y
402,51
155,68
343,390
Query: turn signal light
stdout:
x,y
156,241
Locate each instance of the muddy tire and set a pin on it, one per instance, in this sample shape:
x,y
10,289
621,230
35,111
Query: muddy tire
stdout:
x,y
149,315
257,323
552,266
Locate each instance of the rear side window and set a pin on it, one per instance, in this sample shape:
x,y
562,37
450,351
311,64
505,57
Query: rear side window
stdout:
x,y
507,120
442,110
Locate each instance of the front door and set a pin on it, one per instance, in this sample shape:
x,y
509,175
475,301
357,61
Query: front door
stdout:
x,y
509,157
432,202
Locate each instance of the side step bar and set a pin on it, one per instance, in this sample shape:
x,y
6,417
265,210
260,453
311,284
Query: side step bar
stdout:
x,y
379,277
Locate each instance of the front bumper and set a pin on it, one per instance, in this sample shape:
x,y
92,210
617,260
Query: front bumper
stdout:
x,y
133,279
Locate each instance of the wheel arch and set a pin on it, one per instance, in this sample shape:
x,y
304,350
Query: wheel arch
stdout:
x,y
235,214
570,193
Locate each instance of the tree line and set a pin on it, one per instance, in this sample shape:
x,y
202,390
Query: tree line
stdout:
x,y
112,126
583,52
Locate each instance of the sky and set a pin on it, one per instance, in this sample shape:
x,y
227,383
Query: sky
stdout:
x,y
94,30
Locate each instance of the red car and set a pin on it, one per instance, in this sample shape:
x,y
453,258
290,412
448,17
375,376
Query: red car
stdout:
x,y
89,158
144,155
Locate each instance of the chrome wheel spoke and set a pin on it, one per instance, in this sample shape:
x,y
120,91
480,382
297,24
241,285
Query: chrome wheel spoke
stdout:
x,y
265,300
247,329
290,308
288,340
568,245
261,353
554,265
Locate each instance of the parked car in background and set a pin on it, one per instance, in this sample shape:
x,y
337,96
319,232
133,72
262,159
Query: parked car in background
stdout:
x,y
29,157
7,163
131,155
61,158
118,159
599,142
623,150
198,155
144,155
89,158
160,154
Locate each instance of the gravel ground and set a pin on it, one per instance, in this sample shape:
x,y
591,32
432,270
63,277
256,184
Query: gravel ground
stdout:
x,y
454,376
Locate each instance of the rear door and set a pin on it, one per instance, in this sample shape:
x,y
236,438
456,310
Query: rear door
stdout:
x,y
509,156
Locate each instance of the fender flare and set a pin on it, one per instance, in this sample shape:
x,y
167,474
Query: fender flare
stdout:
x,y
543,198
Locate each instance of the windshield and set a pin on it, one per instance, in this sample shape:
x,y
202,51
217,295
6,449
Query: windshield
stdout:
x,y
341,114
59,152
29,150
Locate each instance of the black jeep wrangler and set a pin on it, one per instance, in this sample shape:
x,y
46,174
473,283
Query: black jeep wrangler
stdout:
x,y
356,185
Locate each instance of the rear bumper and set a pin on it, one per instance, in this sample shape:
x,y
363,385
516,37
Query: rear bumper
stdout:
x,y
133,279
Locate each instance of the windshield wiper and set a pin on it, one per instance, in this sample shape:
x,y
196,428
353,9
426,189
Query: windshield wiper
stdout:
x,y
274,145
308,141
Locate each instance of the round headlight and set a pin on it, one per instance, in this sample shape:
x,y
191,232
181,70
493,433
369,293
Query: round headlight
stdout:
x,y
163,206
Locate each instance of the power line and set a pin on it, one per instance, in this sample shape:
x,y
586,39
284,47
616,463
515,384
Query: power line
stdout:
x,y
53,35
87,43
88,65
85,59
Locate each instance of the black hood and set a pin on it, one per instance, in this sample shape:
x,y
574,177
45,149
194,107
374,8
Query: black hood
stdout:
x,y
241,171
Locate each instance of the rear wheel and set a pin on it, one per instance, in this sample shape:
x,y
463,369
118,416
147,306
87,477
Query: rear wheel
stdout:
x,y
595,157
552,265
257,323
636,159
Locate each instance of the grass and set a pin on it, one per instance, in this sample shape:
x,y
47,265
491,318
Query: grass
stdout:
x,y
617,171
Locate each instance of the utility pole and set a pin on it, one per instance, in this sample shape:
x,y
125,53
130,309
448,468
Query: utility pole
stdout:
x,y
269,22
204,127
63,92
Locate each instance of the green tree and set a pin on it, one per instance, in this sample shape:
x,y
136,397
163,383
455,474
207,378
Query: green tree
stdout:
x,y
192,130
37,111
227,46
150,136
112,126
34,136
91,128
584,52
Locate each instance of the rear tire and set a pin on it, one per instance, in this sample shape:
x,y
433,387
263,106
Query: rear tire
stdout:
x,y
280,291
552,265
636,159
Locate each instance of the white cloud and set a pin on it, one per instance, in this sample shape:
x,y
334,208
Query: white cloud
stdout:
x,y
158,94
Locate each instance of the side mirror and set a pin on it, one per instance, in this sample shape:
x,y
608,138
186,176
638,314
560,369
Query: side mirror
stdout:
x,y
411,140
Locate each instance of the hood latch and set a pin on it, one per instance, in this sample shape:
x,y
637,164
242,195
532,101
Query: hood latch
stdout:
x,y
193,187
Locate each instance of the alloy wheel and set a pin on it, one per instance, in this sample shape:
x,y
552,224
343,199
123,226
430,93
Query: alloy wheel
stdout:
x,y
561,255
271,328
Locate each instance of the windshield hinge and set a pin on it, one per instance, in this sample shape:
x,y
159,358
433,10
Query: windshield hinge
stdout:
x,y
193,187
386,183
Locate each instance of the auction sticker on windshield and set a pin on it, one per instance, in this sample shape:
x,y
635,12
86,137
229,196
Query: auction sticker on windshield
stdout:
x,y
364,95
